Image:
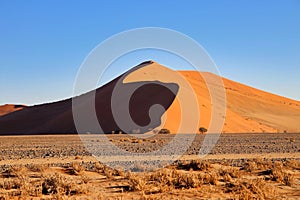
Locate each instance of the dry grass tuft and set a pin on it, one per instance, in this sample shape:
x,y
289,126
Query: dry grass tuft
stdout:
x,y
288,179
14,171
108,172
37,167
255,179
58,184
125,140
210,178
98,167
294,164
257,164
75,168
136,183
278,174
282,177
253,189
137,141
10,183
168,179
229,172
196,165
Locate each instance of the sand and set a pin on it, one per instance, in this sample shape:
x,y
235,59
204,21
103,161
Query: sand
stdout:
x,y
9,108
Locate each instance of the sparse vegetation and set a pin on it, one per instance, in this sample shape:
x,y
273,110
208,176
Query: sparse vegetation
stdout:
x,y
196,165
67,173
247,181
164,131
202,130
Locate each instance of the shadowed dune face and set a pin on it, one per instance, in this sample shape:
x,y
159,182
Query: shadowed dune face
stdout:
x,y
58,118
184,116
140,104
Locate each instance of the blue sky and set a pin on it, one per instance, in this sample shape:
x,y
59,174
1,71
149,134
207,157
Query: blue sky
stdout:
x,y
43,43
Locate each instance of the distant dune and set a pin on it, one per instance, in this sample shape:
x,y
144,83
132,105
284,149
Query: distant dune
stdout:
x,y
248,109
8,108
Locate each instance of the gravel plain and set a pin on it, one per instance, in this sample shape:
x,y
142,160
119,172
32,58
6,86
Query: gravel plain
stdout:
x,y
240,166
63,146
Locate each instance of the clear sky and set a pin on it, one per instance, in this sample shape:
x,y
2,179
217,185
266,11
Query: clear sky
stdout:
x,y
43,43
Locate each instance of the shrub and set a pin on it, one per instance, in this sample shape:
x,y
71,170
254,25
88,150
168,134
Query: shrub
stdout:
x,y
202,130
195,165
164,131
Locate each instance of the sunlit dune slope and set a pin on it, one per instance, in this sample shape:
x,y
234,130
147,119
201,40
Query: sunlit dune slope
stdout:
x,y
8,108
248,109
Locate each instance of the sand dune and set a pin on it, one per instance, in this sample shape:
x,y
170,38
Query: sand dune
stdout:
x,y
8,108
247,110
57,117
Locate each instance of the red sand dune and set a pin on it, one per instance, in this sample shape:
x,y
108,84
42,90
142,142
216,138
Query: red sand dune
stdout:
x,y
57,117
9,108
248,109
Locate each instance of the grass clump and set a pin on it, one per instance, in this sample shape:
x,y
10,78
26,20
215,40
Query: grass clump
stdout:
x,y
195,165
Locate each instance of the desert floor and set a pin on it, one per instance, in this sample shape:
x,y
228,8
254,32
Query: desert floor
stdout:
x,y
240,166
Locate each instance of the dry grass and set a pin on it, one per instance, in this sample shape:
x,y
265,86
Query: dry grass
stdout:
x,y
75,168
48,184
37,167
61,185
154,141
282,177
294,164
253,189
107,171
230,172
254,179
163,181
137,141
125,140
258,164
277,172
196,165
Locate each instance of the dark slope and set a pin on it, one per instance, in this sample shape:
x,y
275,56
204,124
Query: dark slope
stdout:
x,y
57,117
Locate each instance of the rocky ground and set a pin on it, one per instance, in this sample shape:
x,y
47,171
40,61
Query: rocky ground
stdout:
x,y
240,166
63,146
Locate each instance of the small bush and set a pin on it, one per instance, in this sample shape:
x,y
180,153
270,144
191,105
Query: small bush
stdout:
x,y
58,184
294,164
164,131
196,165
10,183
288,179
229,171
136,183
50,185
37,167
202,130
